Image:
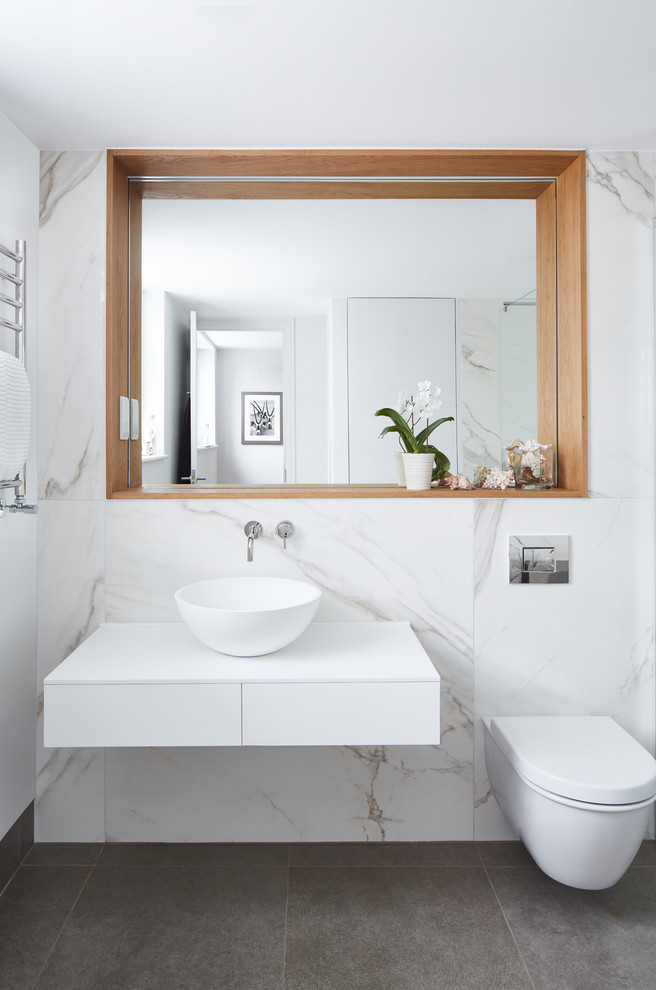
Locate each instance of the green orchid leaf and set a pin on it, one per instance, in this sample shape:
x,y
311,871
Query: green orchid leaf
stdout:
x,y
442,465
417,444
400,427
423,436
394,429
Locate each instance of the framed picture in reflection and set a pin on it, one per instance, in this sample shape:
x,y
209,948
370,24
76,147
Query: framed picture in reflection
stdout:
x,y
261,417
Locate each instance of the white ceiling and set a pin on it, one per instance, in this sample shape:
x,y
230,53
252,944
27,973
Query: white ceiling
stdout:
x,y
330,73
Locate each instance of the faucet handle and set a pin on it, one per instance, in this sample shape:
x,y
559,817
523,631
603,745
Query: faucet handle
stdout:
x,y
285,529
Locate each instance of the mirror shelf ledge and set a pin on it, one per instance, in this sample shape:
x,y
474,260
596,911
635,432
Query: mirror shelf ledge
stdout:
x,y
330,491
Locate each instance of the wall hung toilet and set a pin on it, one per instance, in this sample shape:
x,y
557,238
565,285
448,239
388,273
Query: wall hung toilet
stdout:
x,y
577,790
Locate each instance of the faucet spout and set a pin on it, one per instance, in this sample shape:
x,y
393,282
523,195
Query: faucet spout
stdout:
x,y
252,530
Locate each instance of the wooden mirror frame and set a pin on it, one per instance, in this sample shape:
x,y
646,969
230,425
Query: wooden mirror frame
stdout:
x,y
558,188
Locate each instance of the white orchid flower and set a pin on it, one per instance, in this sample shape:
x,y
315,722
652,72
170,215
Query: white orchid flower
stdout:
x,y
426,403
402,403
420,406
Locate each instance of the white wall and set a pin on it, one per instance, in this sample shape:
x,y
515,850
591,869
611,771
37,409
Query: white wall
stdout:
x,y
439,563
241,370
19,220
427,329
310,394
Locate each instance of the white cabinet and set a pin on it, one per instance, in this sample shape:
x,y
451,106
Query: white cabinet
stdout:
x,y
339,684
89,715
355,714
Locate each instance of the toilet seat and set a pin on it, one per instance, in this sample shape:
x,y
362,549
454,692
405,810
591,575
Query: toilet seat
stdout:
x,y
586,758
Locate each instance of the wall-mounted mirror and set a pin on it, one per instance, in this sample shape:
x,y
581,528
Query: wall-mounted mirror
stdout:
x,y
337,306
326,283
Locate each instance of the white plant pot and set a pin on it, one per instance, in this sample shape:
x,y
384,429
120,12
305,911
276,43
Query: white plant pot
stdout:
x,y
418,470
400,470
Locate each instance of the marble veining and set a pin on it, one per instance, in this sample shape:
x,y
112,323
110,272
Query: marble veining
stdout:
x,y
479,403
61,172
372,759
620,201
70,783
71,414
287,794
629,177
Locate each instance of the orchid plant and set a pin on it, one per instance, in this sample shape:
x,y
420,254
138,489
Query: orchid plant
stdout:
x,y
408,416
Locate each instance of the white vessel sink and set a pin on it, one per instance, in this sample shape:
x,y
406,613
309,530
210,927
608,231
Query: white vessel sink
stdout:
x,y
247,616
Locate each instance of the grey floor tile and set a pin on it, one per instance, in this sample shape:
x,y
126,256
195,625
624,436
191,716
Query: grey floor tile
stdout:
x,y
10,854
398,929
582,939
195,854
64,853
173,928
27,829
33,909
646,855
384,854
504,854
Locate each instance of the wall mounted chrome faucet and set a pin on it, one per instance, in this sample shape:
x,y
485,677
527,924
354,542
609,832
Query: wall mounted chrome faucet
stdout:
x,y
252,529
284,530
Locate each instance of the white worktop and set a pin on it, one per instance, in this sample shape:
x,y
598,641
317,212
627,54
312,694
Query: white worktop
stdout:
x,y
167,653
154,684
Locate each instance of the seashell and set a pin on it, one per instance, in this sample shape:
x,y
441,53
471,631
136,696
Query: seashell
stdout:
x,y
455,481
512,450
532,446
497,478
480,474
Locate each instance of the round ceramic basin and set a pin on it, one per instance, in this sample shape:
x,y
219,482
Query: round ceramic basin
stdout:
x,y
247,616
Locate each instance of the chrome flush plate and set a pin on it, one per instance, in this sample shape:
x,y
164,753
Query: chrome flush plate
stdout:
x,y
539,559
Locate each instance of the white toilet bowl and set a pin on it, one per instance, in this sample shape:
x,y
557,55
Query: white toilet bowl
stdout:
x,y
577,790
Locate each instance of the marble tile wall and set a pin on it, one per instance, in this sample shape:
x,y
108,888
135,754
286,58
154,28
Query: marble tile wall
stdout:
x,y
586,646
71,519
620,338
479,429
372,561
583,647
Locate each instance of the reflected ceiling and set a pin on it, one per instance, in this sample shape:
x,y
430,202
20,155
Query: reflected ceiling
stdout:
x,y
253,257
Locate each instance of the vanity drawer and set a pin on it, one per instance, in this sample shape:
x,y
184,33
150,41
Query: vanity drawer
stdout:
x,y
394,713
90,715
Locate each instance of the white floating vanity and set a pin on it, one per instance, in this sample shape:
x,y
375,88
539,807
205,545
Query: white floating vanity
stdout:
x,y
154,684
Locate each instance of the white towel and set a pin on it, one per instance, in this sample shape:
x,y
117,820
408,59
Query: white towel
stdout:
x,y
14,416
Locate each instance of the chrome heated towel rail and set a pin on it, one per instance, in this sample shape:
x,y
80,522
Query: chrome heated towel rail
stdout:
x,y
12,303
